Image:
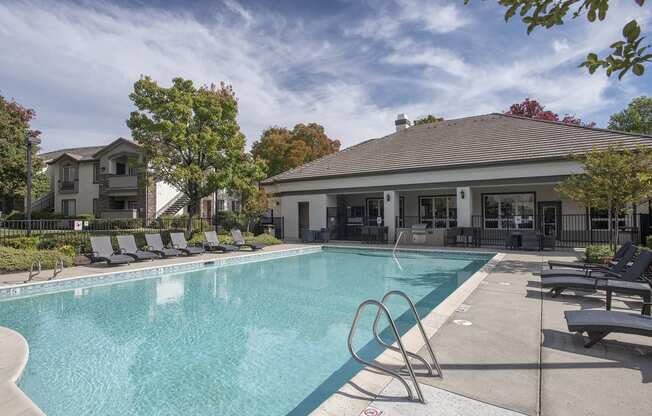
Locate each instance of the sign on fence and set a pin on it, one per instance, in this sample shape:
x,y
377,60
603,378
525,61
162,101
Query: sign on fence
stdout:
x,y
79,225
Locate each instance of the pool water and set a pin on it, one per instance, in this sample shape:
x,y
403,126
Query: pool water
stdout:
x,y
267,337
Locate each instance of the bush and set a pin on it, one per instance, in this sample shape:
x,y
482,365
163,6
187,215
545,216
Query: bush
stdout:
x,y
648,242
79,241
266,239
21,242
16,260
599,253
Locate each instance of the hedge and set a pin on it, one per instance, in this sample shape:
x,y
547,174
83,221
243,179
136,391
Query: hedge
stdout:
x,y
598,253
16,260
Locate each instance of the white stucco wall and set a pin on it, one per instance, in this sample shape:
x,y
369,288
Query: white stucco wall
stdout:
x,y
164,194
317,205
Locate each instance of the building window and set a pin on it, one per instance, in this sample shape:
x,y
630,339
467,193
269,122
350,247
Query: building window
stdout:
x,y
375,209
438,211
600,219
219,205
96,172
69,207
132,204
95,206
235,206
509,211
68,178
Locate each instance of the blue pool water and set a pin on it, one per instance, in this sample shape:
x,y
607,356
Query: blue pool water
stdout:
x,y
261,338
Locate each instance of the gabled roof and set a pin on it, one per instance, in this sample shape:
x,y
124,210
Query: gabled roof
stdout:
x,y
491,139
84,154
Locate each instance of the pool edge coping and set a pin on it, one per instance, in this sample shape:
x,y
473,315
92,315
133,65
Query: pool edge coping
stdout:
x,y
340,404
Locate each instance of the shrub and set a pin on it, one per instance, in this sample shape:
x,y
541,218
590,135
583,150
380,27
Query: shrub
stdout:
x,y
21,242
69,251
598,253
266,239
16,260
648,241
79,241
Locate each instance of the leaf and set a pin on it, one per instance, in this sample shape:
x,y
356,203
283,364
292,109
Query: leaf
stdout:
x,y
638,69
631,31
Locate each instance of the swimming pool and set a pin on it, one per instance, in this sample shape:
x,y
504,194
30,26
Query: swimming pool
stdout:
x,y
266,337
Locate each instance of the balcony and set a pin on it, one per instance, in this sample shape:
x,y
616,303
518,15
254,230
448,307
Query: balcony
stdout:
x,y
68,186
122,182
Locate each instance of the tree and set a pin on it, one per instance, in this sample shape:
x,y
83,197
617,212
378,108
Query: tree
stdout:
x,y
627,54
428,119
14,127
636,118
284,149
614,179
190,137
532,109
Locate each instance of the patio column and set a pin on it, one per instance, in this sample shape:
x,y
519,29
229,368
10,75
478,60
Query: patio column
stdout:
x,y
391,211
464,207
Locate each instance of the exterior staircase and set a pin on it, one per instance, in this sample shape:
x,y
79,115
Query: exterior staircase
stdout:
x,y
175,205
44,203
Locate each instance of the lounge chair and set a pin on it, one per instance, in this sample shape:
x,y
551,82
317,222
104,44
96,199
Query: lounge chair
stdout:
x,y
587,265
530,240
614,271
127,244
628,283
212,242
599,324
155,244
103,251
179,242
240,242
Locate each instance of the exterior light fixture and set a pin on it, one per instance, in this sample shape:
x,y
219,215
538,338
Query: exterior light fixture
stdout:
x,y
462,193
389,197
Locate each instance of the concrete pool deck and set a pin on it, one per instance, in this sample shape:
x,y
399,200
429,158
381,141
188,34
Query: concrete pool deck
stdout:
x,y
517,357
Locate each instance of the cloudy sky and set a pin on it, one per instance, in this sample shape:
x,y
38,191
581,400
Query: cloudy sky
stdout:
x,y
349,65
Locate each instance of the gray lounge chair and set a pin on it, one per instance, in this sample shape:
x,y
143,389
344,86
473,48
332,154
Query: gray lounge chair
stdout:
x,y
239,241
530,240
586,265
155,244
103,251
212,242
599,324
127,244
614,271
628,282
179,242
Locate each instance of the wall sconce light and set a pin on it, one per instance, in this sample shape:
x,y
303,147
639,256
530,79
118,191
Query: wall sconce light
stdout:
x,y
388,197
462,194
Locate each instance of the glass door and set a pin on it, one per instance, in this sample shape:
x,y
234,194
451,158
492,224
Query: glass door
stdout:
x,y
375,210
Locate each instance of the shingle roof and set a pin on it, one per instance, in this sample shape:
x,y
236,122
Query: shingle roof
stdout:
x,y
478,140
78,153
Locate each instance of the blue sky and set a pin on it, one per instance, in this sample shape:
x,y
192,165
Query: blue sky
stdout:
x,y
349,65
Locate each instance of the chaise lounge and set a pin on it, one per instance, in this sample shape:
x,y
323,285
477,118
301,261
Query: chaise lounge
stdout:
x,y
155,244
586,265
127,244
103,252
212,242
614,270
599,324
240,242
179,242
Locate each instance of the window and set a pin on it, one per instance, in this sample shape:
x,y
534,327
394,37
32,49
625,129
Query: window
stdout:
x,y
132,204
401,211
68,174
375,209
95,206
207,209
438,211
96,172
68,207
121,168
219,205
509,211
600,219
235,206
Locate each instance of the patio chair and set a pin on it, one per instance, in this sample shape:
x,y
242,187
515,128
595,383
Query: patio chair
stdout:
x,y
604,271
631,282
155,244
212,242
587,265
127,244
179,242
599,324
240,242
451,236
103,251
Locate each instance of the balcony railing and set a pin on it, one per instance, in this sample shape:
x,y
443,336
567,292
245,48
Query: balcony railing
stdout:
x,y
67,186
123,182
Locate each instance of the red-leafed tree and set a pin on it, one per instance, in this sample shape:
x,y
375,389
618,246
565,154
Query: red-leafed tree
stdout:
x,y
532,109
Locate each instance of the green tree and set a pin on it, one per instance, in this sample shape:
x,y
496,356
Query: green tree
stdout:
x,y
284,149
14,127
428,119
190,137
626,54
614,179
636,118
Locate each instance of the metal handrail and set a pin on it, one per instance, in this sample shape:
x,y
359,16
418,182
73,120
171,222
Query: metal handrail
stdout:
x,y
435,362
400,345
31,270
58,268
397,240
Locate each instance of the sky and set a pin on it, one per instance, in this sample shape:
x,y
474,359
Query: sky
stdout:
x,y
351,66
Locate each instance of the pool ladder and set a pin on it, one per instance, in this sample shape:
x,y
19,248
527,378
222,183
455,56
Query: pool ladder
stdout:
x,y
382,309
